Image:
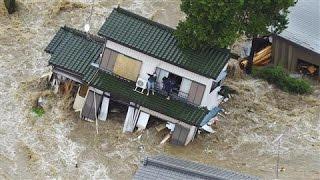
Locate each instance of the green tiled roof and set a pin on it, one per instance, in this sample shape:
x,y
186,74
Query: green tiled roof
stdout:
x,y
74,51
123,90
157,40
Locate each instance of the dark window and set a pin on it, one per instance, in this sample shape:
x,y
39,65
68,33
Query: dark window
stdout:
x,y
215,85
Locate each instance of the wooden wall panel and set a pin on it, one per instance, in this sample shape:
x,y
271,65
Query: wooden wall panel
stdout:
x,y
127,67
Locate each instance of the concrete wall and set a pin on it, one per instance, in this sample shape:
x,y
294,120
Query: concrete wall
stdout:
x,y
287,53
149,64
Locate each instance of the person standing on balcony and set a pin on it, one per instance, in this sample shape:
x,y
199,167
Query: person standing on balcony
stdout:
x,y
151,83
168,84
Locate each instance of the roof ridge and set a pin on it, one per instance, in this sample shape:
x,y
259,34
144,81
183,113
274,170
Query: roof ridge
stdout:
x,y
193,167
137,16
165,27
87,36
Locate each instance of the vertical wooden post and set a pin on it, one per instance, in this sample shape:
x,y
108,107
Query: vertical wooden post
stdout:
x,y
250,59
95,111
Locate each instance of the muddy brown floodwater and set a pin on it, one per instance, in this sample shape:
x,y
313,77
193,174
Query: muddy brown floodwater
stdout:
x,y
58,144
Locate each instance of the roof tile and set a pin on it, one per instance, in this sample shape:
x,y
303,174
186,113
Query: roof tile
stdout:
x,y
158,41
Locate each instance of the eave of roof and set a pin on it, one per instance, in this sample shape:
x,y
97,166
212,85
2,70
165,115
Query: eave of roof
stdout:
x,y
304,25
74,51
123,90
157,40
166,167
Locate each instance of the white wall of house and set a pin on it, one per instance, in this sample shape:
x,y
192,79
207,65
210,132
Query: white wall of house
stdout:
x,y
149,65
223,74
213,99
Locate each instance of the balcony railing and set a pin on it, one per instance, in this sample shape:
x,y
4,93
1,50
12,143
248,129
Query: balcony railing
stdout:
x,y
175,94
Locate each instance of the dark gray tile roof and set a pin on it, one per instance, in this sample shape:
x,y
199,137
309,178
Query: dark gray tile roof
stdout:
x,y
165,167
304,25
157,40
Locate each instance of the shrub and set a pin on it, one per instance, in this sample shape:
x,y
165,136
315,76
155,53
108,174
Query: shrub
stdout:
x,y
279,77
39,111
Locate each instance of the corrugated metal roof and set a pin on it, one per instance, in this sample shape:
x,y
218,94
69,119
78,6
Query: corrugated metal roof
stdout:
x,y
164,167
74,50
304,25
157,40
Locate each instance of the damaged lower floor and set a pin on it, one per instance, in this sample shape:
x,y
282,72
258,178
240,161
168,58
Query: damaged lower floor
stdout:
x,y
95,100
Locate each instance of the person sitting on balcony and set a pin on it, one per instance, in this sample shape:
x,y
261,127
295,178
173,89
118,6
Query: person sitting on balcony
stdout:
x,y
151,83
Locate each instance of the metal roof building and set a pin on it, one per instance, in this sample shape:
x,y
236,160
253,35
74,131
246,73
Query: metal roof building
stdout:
x,y
298,46
165,167
304,25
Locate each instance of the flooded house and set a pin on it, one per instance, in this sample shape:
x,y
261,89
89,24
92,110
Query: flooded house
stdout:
x,y
137,62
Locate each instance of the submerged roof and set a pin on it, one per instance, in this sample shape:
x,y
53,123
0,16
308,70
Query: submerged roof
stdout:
x,y
164,167
123,90
304,25
75,50
157,40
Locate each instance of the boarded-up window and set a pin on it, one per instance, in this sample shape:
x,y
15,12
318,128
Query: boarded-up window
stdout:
x,y
127,67
196,93
179,135
89,110
108,60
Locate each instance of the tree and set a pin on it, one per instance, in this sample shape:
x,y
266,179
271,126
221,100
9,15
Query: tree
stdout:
x,y
218,23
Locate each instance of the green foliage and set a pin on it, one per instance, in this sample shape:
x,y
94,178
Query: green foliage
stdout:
x,y
279,77
219,23
39,111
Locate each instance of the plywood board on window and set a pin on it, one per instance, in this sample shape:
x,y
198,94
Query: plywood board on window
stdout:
x,y
108,60
127,67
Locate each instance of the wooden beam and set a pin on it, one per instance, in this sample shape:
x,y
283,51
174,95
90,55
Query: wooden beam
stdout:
x,y
164,117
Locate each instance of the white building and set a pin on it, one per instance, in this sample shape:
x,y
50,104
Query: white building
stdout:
x,y
129,48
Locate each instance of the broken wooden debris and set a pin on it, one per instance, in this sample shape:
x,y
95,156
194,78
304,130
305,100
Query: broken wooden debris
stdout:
x,y
260,58
165,139
306,68
160,127
226,91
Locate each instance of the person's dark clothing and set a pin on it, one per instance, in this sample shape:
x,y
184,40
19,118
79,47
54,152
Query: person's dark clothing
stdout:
x,y
152,78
